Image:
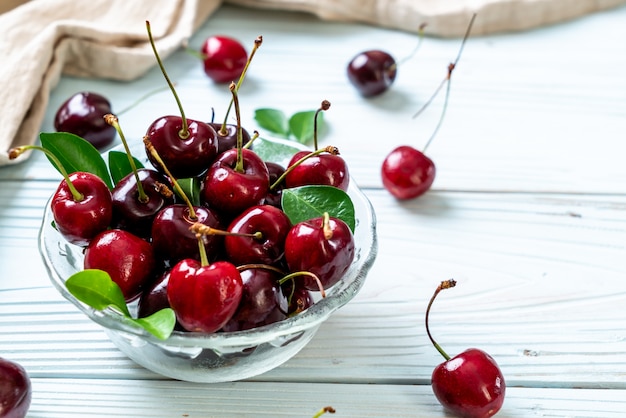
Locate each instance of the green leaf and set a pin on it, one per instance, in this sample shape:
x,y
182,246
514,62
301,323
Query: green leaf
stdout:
x,y
160,324
191,187
275,152
75,154
308,202
96,289
301,125
273,120
119,166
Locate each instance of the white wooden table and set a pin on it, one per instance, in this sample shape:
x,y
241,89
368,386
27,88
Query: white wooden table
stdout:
x,y
527,213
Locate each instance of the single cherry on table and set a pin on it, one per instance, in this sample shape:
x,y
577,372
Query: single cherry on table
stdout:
x,y
15,390
82,114
224,58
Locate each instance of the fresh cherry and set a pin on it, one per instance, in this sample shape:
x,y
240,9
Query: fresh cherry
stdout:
x,y
224,58
186,146
469,384
204,296
323,246
154,298
227,136
299,297
83,115
15,390
128,259
372,72
262,301
274,195
407,172
271,223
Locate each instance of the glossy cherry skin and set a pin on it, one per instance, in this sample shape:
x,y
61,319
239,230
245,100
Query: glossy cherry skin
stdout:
x,y
224,58
271,222
230,191
372,72
274,196
15,390
299,298
127,258
173,241
204,298
227,138
262,301
83,115
407,173
324,169
470,384
329,257
80,221
184,157
129,212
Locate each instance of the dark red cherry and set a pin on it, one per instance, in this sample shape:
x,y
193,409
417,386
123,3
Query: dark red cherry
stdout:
x,y
133,214
372,72
79,220
273,225
227,136
262,301
204,297
173,241
323,169
83,115
154,298
127,258
231,191
323,246
15,390
224,58
298,296
407,173
185,156
274,196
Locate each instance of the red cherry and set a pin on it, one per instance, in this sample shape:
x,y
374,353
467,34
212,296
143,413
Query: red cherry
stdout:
x,y
469,384
372,72
323,246
128,259
407,172
323,169
83,115
224,58
81,220
204,297
15,390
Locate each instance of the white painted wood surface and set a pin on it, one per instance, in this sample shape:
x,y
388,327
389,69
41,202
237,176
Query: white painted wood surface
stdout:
x,y
528,214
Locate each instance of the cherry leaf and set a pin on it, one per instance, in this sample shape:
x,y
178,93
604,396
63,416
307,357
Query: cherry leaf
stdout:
x,y
75,154
119,166
273,120
301,125
191,186
160,324
308,202
273,151
95,288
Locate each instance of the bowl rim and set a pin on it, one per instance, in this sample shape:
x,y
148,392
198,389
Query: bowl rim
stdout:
x,y
337,296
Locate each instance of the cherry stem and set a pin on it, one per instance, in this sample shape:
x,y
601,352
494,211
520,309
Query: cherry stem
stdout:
x,y
150,149
329,149
248,144
445,81
292,276
141,99
446,284
16,152
114,122
239,164
328,233
260,266
202,229
420,40
324,106
184,131
204,259
257,43
324,410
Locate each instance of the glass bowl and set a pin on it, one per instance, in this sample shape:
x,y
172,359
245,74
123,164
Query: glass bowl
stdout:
x,y
217,357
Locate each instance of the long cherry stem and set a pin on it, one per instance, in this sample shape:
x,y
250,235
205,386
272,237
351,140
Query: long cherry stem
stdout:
x,y
325,106
239,164
446,284
114,122
420,40
184,131
16,152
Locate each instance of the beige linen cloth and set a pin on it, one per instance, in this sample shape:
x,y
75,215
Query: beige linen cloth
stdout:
x,y
42,39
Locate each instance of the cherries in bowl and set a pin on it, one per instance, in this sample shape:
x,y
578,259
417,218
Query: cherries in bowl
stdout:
x,y
219,356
